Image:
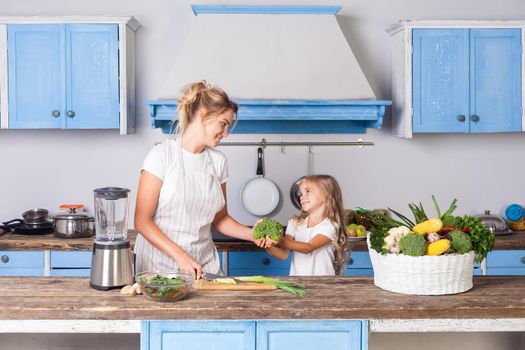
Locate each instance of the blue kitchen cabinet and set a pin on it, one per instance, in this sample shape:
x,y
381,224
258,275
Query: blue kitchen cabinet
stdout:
x,y
257,263
63,76
70,263
311,335
458,77
506,262
359,264
254,335
21,263
467,80
197,335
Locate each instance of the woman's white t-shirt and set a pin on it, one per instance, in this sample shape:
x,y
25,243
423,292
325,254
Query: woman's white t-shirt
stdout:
x,y
159,158
320,262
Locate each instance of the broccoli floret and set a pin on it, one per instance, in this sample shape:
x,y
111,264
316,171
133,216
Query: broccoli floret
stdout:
x,y
268,227
413,244
461,242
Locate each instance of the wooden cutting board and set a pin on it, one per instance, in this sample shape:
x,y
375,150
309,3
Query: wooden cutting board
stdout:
x,y
210,285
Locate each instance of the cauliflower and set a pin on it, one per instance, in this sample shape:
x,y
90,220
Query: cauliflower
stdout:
x,y
413,244
394,235
461,242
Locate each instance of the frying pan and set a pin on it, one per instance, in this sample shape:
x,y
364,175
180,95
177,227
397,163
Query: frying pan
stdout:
x,y
260,196
18,226
295,193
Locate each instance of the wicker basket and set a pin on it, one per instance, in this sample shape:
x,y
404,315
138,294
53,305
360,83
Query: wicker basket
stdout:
x,y
422,275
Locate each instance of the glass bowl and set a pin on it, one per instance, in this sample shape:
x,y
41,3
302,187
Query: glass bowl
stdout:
x,y
164,286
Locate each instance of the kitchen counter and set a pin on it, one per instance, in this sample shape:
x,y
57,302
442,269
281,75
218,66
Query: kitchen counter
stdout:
x,y
71,298
12,241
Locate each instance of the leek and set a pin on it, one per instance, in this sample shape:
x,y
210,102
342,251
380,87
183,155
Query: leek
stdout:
x,y
288,286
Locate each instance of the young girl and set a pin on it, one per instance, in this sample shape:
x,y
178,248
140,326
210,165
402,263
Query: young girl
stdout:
x,y
317,235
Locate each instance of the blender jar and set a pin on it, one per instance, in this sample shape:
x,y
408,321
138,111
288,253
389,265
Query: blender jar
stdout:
x,y
111,213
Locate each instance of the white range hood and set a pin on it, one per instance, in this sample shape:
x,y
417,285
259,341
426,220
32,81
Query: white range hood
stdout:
x,y
261,55
290,69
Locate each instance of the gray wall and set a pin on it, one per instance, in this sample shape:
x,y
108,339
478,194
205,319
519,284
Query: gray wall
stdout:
x,y
48,168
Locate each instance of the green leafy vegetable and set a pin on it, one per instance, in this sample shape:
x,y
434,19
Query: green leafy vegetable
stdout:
x,y
290,287
481,237
268,227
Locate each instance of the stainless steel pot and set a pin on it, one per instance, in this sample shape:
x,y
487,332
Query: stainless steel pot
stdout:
x,y
74,226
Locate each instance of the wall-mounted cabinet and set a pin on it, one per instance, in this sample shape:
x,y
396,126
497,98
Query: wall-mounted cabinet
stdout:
x,y
457,77
73,73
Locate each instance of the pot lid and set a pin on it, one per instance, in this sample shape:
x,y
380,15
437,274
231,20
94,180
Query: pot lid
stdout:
x,y
492,222
71,217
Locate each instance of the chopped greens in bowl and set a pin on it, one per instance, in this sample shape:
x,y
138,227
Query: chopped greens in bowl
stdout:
x,y
164,286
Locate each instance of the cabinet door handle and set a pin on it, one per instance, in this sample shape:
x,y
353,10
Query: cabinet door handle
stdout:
x,y
266,261
70,114
461,118
55,113
474,118
522,260
5,258
351,261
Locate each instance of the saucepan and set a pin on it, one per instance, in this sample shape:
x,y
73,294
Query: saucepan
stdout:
x,y
260,196
73,225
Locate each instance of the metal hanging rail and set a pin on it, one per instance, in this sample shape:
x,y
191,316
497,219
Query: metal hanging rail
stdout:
x,y
263,143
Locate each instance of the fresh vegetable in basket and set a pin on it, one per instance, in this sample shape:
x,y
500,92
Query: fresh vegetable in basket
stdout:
x,y
444,234
268,228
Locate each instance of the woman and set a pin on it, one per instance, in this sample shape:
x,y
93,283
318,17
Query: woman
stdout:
x,y
182,188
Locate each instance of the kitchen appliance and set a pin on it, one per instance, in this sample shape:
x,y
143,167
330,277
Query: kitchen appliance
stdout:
x,y
111,261
73,224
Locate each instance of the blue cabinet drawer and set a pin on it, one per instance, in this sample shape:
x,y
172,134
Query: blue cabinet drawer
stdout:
x,y
360,260
506,258
71,259
257,263
21,259
197,335
309,335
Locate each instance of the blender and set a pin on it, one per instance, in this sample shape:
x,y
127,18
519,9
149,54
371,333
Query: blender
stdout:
x,y
111,262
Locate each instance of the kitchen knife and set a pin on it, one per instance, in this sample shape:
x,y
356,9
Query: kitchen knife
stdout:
x,y
212,276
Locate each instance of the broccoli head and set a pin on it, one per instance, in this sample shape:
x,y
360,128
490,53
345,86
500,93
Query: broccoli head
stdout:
x,y
461,242
268,228
413,244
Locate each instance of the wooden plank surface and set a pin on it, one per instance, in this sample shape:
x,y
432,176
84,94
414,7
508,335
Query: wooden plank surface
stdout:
x,y
9,241
331,298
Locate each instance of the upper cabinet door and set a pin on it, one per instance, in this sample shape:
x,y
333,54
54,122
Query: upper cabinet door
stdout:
x,y
495,80
92,76
35,76
440,80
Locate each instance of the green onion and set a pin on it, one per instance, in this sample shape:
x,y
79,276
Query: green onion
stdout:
x,y
288,286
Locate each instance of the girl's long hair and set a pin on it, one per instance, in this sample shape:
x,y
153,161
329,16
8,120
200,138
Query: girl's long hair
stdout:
x,y
334,211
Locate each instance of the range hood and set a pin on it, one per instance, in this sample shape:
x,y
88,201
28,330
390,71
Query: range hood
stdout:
x,y
290,69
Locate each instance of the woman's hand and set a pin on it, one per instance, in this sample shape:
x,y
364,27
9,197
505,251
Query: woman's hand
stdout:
x,y
188,264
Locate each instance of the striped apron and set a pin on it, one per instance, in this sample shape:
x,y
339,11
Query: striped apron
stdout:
x,y
186,207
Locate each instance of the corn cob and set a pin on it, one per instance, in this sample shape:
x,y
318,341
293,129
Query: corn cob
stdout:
x,y
428,226
438,247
